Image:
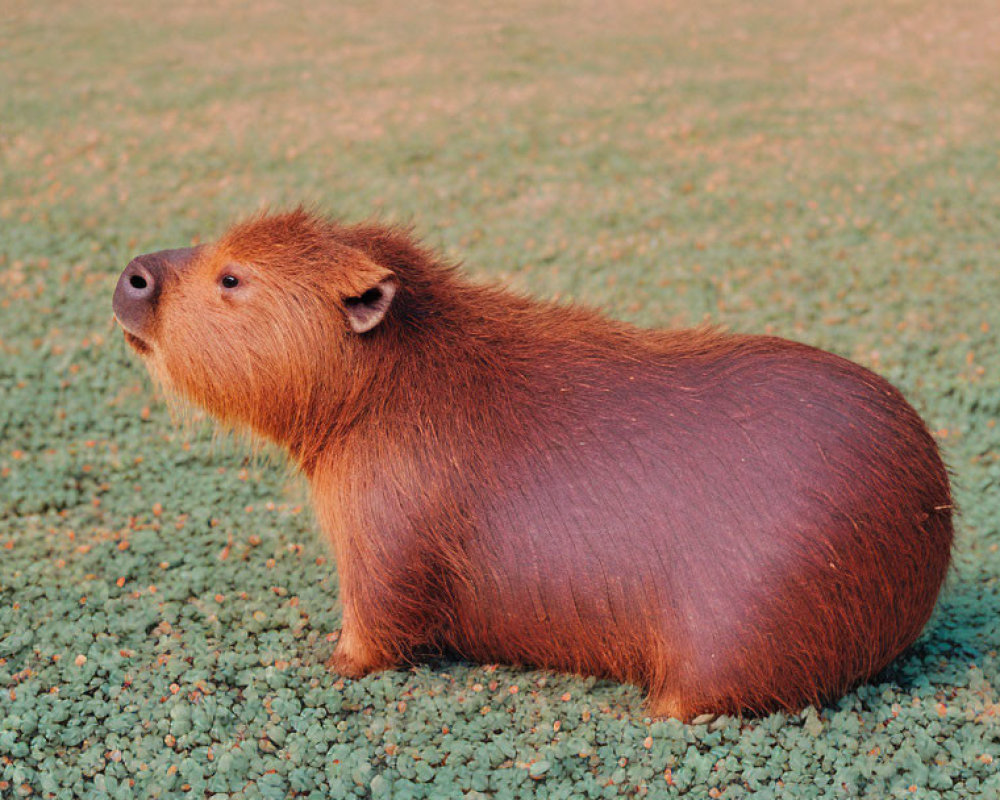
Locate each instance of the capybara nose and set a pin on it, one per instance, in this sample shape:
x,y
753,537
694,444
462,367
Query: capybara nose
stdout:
x,y
141,284
136,294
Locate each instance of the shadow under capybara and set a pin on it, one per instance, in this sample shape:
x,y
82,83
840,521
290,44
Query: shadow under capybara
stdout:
x,y
737,523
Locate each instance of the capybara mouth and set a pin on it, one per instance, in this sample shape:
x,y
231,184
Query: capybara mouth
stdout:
x,y
139,345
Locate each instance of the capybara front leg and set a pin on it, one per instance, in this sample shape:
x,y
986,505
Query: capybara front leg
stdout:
x,y
668,704
355,656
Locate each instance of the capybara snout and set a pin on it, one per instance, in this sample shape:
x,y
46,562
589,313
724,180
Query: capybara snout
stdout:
x,y
737,523
141,283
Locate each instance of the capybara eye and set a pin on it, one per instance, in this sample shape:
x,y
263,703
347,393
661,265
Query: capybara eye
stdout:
x,y
230,281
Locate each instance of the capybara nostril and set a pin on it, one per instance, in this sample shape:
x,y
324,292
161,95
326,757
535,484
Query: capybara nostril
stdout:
x,y
142,282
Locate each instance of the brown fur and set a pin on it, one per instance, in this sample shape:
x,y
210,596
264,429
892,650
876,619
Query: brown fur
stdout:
x,y
737,523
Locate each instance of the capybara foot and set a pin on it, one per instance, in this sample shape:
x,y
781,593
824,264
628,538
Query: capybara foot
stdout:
x,y
352,659
670,704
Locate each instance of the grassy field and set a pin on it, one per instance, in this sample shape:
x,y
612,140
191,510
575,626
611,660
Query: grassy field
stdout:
x,y
827,171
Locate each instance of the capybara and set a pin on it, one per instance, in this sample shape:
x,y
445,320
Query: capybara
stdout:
x,y
736,523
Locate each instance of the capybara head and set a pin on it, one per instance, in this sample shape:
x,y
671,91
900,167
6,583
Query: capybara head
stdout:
x,y
258,327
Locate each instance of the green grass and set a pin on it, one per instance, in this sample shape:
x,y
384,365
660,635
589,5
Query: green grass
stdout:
x,y
826,171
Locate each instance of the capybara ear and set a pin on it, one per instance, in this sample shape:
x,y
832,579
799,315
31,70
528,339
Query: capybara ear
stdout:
x,y
369,296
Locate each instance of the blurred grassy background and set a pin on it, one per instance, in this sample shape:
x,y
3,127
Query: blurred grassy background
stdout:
x,y
823,170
